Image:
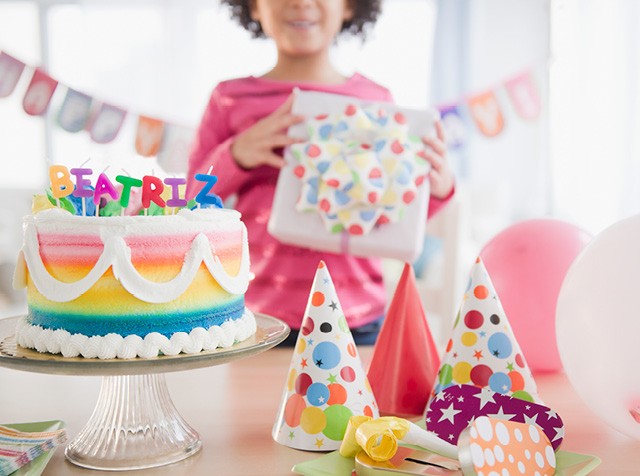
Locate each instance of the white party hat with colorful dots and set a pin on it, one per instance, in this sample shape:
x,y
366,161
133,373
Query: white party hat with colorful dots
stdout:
x,y
483,350
326,383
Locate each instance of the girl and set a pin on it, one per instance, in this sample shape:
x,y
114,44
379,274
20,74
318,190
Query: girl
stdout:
x,y
243,131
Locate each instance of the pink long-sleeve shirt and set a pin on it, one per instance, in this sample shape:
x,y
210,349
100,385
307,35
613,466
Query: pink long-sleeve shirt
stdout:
x,y
283,273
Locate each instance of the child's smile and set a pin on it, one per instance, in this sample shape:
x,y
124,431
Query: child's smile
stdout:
x,y
302,28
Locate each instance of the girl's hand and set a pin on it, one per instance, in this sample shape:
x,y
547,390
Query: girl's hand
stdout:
x,y
255,146
441,176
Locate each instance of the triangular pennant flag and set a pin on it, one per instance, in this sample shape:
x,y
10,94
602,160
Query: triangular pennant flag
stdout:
x,y
455,127
106,123
174,150
10,71
149,136
39,92
405,360
326,383
486,113
74,111
483,350
524,95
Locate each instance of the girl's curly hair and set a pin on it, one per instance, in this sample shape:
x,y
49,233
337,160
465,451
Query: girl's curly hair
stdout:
x,y
365,14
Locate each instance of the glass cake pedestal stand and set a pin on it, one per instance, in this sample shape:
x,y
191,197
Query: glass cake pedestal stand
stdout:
x,y
134,424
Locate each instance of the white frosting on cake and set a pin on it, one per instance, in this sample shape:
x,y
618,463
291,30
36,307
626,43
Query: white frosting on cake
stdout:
x,y
113,346
116,253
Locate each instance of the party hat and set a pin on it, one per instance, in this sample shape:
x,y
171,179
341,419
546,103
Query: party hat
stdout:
x,y
405,359
483,350
326,383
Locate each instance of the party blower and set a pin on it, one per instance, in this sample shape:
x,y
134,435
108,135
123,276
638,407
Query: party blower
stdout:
x,y
486,444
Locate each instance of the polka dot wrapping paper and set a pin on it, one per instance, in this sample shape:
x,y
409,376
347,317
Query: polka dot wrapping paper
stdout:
x,y
359,168
482,350
357,182
326,383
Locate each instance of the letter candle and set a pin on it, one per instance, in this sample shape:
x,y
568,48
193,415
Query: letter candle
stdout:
x,y
103,185
127,183
152,188
209,181
82,189
61,184
175,201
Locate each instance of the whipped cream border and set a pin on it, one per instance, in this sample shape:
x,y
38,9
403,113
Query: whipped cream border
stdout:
x,y
117,254
115,346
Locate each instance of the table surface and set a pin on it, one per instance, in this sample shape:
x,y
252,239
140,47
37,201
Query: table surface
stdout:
x,y
233,407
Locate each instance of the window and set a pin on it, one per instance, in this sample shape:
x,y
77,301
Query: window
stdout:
x,y
161,59
595,98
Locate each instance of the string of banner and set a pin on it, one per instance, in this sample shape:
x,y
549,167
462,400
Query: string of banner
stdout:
x,y
155,137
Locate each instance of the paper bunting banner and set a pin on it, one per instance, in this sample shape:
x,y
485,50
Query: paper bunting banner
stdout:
x,y
106,123
455,127
453,408
75,111
359,169
79,111
326,383
174,148
149,136
10,72
405,360
511,447
39,92
486,113
349,206
482,350
524,95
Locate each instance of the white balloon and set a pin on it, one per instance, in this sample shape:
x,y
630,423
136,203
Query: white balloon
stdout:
x,y
598,325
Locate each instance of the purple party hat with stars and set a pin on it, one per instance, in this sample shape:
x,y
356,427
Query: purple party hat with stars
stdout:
x,y
326,383
483,350
454,408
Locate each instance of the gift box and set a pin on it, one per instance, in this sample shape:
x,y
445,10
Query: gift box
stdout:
x,y
357,183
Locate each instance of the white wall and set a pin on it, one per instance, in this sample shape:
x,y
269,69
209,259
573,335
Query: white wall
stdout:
x,y
506,176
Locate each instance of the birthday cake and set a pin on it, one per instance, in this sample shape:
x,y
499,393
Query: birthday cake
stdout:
x,y
134,286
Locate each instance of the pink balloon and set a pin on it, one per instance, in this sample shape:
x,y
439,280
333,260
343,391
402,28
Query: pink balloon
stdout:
x,y
527,263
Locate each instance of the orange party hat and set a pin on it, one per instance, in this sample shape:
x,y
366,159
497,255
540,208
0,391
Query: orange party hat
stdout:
x,y
405,359
326,383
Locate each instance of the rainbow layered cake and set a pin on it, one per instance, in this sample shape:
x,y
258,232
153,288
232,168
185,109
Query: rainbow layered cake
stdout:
x,y
134,286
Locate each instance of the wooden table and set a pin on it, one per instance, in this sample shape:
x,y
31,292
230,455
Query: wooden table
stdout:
x,y
233,407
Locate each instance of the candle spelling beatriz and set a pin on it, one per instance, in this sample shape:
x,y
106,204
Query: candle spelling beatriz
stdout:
x,y
67,192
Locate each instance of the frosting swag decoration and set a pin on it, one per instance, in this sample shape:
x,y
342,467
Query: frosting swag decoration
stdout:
x,y
359,169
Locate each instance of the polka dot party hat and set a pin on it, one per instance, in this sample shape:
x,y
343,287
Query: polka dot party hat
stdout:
x,y
326,383
483,350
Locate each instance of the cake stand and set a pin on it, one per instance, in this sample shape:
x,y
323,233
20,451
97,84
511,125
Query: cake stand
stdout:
x,y
134,424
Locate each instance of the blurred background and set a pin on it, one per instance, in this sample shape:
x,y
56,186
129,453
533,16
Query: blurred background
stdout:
x,y
540,100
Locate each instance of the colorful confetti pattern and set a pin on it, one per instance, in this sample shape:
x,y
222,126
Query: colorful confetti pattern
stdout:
x,y
482,350
326,383
359,169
